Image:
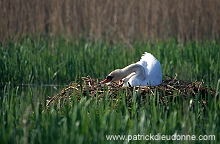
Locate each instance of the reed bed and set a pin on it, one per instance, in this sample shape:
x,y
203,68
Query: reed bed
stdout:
x,y
113,20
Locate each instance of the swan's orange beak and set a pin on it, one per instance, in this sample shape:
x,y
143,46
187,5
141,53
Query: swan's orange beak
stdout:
x,y
107,79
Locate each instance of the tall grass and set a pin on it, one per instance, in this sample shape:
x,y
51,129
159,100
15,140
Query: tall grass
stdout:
x,y
90,120
39,61
122,20
33,61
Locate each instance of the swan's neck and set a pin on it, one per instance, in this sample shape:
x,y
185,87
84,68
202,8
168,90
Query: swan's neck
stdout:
x,y
137,68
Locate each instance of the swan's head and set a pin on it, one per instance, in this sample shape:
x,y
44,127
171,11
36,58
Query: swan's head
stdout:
x,y
115,75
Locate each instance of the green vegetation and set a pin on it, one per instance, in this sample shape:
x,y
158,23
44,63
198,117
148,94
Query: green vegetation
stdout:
x,y
40,61
62,61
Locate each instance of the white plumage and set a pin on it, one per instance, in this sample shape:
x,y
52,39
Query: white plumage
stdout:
x,y
147,71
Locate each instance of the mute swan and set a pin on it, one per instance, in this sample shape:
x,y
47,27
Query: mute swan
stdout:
x,y
147,71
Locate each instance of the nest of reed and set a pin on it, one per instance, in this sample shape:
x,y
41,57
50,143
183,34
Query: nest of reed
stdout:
x,y
171,88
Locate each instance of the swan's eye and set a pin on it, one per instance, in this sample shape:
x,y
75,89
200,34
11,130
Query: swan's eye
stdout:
x,y
109,77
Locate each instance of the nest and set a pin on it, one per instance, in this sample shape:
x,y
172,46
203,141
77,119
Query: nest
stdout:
x,y
168,89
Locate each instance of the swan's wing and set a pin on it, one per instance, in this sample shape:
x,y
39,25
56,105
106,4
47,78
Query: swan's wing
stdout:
x,y
149,62
146,61
152,67
148,57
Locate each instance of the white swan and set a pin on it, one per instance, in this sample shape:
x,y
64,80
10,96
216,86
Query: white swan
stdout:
x,y
147,71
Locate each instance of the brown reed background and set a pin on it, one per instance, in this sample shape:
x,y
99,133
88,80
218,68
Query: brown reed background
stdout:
x,y
121,20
